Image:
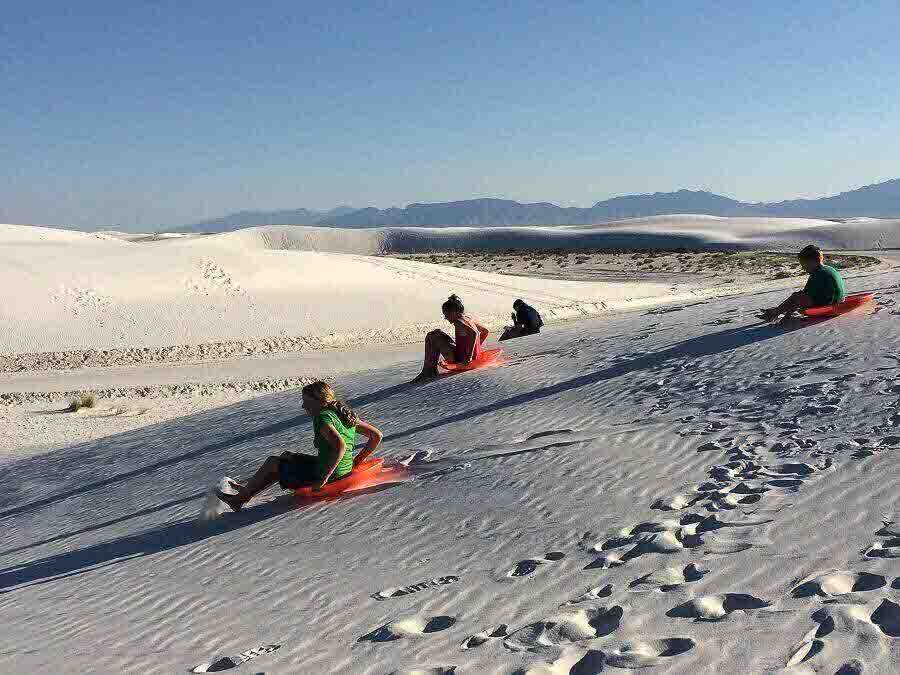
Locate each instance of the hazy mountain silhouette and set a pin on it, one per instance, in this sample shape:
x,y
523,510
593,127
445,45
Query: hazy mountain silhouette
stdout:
x,y
874,201
881,200
242,219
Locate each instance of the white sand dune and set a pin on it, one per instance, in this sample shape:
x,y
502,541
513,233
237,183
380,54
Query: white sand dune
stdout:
x,y
322,287
657,232
689,491
72,291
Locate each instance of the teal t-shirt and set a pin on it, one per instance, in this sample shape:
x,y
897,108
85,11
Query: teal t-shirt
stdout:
x,y
825,286
345,465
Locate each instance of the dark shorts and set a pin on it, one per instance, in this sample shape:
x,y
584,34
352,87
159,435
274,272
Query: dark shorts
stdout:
x,y
295,471
518,331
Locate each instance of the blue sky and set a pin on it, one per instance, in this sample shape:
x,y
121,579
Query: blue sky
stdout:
x,y
143,114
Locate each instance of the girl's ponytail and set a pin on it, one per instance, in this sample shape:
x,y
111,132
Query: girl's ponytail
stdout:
x,y
344,412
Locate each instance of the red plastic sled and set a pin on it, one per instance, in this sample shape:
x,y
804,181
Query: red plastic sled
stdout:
x,y
368,473
850,302
488,356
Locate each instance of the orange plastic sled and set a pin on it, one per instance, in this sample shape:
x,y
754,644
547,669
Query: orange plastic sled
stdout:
x,y
368,473
850,302
488,356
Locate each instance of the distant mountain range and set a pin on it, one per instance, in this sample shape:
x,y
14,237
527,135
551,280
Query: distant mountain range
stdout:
x,y
242,219
873,201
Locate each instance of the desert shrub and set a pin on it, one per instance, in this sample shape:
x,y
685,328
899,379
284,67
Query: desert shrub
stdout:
x,y
85,400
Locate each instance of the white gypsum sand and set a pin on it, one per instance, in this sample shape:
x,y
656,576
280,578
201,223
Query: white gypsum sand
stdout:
x,y
282,288
684,489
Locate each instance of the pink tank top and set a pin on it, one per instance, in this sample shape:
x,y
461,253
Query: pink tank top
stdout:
x,y
464,341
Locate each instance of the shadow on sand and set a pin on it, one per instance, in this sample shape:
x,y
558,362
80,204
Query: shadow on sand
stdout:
x,y
269,430
186,532
148,542
696,347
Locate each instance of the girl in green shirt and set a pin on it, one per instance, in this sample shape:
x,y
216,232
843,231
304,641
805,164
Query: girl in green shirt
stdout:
x,y
335,427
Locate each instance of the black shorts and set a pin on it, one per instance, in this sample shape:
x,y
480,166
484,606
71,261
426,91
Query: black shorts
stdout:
x,y
295,470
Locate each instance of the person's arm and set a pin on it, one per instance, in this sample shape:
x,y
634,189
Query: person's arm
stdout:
x,y
374,436
339,448
482,332
798,300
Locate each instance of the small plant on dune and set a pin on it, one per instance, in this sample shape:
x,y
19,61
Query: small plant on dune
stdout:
x,y
86,400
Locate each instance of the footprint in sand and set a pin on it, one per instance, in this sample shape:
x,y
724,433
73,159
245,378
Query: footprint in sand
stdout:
x,y
884,548
664,537
866,629
723,443
674,502
730,497
647,653
668,578
566,628
627,655
805,651
591,595
838,583
716,607
221,663
484,637
528,566
414,588
799,469
409,627
887,618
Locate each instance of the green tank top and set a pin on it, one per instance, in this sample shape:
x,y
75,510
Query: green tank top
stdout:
x,y
345,465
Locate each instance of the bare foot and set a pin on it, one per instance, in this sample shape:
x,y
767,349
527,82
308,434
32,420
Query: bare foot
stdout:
x,y
234,502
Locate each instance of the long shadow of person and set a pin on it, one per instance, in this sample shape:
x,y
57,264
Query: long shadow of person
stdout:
x,y
696,347
143,471
148,542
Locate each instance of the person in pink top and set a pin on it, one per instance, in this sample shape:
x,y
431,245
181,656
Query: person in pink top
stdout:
x,y
463,349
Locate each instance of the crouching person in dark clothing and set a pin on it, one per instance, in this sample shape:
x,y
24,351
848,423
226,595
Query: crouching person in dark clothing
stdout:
x,y
526,320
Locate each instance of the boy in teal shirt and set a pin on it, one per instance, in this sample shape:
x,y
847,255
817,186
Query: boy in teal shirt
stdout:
x,y
824,287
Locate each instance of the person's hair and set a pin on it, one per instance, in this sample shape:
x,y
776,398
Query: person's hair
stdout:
x,y
453,304
810,252
518,302
325,394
